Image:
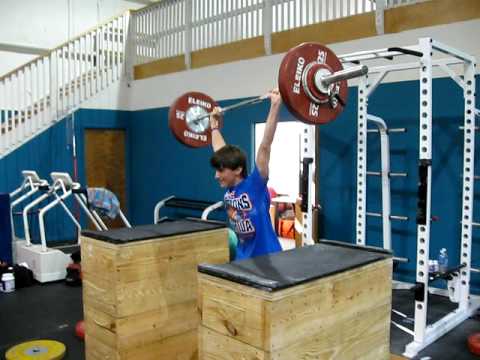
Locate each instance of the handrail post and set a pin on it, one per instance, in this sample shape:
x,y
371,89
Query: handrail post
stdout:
x,y
130,46
188,34
381,5
267,26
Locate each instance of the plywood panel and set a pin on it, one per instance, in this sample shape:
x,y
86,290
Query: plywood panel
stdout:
x,y
159,67
420,15
179,347
215,346
141,297
333,304
345,316
105,164
233,313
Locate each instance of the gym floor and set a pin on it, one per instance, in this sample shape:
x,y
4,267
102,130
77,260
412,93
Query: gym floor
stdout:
x,y
51,311
48,311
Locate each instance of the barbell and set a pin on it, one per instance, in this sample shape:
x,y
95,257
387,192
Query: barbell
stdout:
x,y
312,83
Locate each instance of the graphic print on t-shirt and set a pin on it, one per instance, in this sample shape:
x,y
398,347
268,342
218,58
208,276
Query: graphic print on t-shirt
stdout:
x,y
238,209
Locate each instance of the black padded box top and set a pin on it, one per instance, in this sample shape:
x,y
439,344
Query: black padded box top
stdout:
x,y
145,232
297,266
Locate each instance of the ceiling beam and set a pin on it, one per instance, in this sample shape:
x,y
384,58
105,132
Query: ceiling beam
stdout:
x,y
22,49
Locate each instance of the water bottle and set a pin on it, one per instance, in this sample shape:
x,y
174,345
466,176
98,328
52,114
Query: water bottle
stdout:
x,y
433,266
443,260
8,281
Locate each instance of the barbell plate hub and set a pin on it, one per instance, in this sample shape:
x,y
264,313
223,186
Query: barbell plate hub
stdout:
x,y
319,95
197,119
296,99
183,119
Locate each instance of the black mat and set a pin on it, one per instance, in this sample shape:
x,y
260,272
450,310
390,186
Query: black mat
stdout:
x,y
294,267
453,345
145,232
48,311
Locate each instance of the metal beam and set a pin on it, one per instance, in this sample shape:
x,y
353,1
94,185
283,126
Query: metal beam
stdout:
x,y
23,49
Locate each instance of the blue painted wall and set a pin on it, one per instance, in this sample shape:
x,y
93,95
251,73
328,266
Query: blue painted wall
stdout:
x,y
53,151
398,104
159,166
45,153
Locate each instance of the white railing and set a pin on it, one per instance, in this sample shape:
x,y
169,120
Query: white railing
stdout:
x,y
158,31
36,95
178,27
289,14
216,22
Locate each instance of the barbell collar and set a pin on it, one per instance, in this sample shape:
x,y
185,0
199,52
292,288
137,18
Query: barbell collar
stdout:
x,y
324,81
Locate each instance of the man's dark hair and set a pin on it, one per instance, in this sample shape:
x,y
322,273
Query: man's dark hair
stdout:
x,y
230,157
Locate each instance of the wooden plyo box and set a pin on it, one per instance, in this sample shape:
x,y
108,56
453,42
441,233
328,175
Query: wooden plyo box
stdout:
x,y
140,289
324,301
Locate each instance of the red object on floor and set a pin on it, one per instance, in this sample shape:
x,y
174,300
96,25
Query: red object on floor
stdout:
x,y
286,228
80,330
474,343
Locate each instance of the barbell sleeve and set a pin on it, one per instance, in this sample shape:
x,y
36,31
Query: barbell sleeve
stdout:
x,y
345,74
233,106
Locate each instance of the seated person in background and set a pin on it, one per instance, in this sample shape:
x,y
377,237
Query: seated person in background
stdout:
x,y
247,199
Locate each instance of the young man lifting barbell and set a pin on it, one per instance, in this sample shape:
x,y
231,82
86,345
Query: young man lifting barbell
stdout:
x,y
247,200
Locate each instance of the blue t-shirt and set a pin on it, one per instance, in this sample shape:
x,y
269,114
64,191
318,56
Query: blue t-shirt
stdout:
x,y
247,205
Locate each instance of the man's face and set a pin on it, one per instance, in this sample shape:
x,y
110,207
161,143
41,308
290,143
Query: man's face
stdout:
x,y
228,177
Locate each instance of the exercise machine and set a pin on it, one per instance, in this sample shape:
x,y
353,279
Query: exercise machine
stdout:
x,y
31,184
429,54
49,263
174,202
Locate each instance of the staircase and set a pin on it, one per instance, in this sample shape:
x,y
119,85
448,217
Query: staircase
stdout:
x,y
38,94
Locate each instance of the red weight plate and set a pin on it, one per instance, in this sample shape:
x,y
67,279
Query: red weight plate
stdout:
x,y
191,103
292,89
